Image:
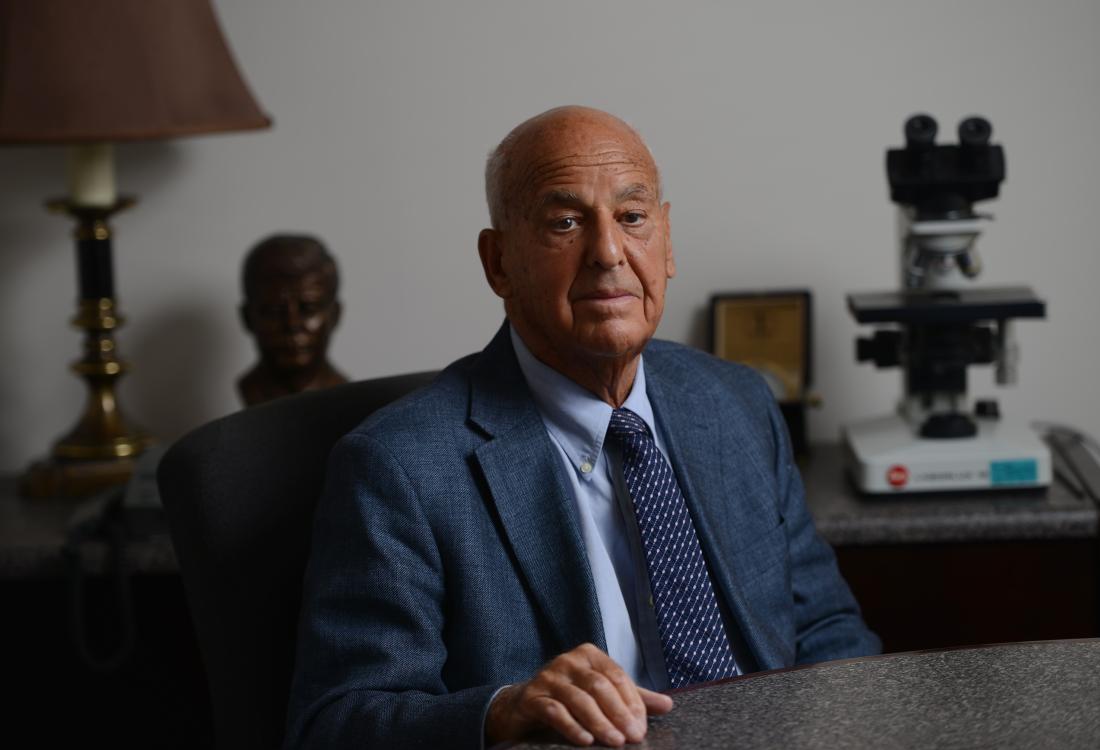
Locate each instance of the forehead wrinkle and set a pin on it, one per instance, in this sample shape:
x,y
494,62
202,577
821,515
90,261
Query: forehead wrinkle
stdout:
x,y
638,190
599,159
543,171
557,197
564,196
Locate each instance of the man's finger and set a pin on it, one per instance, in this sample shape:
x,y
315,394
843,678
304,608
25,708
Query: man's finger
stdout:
x,y
588,713
655,703
609,695
622,681
557,717
626,687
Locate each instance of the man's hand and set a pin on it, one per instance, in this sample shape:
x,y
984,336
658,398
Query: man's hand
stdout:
x,y
583,695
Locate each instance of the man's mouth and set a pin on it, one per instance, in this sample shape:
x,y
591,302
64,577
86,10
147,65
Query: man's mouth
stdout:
x,y
606,295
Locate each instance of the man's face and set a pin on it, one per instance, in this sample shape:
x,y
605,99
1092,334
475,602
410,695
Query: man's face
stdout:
x,y
292,319
584,256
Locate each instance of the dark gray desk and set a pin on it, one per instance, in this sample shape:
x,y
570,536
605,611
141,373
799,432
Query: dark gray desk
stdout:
x,y
1028,695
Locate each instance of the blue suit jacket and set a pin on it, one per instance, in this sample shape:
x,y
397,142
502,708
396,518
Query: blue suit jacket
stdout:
x,y
447,559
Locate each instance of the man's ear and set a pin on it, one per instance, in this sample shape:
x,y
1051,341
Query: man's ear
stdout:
x,y
490,246
670,261
335,311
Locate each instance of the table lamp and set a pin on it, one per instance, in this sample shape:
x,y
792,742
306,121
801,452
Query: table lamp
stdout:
x,y
87,75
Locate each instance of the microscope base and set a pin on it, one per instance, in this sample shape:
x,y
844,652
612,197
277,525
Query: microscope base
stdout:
x,y
886,455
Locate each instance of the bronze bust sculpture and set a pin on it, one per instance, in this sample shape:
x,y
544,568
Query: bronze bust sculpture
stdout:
x,y
290,308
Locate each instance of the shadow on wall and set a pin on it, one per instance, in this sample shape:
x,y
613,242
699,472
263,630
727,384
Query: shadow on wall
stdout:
x,y
176,354
30,177
699,329
29,237
143,165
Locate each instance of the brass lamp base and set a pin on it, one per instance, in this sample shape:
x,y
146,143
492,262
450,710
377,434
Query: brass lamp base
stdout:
x,y
98,452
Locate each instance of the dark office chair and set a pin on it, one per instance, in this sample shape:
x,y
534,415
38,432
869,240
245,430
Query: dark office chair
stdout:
x,y
240,494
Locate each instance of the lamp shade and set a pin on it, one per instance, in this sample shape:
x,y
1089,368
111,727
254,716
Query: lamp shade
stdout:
x,y
80,71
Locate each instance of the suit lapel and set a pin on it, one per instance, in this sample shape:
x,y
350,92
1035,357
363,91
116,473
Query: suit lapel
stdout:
x,y
532,498
699,449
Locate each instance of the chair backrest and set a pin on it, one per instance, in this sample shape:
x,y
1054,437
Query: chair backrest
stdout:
x,y
240,494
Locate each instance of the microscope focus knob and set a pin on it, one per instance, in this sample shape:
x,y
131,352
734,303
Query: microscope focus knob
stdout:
x,y
883,348
987,408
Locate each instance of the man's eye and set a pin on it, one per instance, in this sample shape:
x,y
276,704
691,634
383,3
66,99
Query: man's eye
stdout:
x,y
633,217
564,223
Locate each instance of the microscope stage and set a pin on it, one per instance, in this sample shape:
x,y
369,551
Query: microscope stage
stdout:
x,y
946,306
887,456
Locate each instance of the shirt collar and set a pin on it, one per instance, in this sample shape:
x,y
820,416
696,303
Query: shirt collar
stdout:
x,y
574,416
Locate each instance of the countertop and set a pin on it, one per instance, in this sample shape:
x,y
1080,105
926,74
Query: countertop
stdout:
x,y
845,517
1026,695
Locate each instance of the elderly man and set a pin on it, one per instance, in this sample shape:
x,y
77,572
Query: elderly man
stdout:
x,y
577,517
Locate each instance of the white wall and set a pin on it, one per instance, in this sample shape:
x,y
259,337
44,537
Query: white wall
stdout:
x,y
769,120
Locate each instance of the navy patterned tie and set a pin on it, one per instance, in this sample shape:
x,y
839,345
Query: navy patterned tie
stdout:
x,y
692,636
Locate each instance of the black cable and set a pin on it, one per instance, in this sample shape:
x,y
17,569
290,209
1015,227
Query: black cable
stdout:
x,y
1079,452
112,531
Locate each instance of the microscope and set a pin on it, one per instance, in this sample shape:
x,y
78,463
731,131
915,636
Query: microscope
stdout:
x,y
939,323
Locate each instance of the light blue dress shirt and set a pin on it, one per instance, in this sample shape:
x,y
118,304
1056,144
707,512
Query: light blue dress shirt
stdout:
x,y
577,422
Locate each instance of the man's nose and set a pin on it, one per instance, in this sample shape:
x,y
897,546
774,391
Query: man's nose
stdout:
x,y
605,247
292,316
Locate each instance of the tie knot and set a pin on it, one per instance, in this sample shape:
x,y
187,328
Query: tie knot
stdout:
x,y
625,424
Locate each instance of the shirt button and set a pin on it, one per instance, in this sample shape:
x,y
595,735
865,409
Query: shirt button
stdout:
x,y
586,468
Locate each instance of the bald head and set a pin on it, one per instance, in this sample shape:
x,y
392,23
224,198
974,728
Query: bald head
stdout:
x,y
535,144
580,250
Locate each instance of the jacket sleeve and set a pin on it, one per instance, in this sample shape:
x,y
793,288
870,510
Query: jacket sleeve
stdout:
x,y
370,648
828,624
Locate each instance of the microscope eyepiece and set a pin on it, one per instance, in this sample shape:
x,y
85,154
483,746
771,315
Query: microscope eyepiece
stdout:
x,y
945,179
920,131
974,131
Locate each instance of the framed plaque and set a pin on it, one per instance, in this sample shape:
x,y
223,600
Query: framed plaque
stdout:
x,y
769,331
